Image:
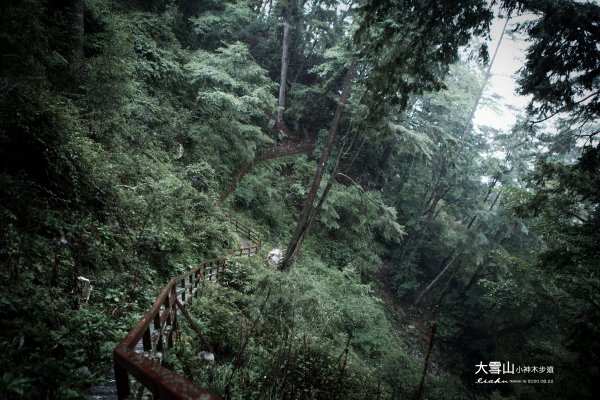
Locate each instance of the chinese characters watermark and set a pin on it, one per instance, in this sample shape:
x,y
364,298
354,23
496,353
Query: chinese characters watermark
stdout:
x,y
508,370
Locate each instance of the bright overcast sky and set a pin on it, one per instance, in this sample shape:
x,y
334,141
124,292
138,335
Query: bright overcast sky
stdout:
x,y
509,60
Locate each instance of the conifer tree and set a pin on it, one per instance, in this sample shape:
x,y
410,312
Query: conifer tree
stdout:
x,y
425,47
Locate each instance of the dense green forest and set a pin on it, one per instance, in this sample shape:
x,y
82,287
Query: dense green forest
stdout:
x,y
420,250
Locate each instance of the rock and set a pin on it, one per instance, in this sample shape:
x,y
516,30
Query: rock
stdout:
x,y
281,135
411,327
206,357
83,288
275,257
179,151
84,371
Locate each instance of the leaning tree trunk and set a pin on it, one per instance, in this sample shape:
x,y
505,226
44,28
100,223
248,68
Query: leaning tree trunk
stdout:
x,y
316,209
417,395
454,254
468,124
307,213
486,78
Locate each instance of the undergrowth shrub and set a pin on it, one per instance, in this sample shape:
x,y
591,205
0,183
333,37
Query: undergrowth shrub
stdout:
x,y
313,333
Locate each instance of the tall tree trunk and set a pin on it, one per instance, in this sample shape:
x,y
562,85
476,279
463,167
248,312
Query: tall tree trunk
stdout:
x,y
430,201
315,211
451,262
437,278
491,187
472,281
426,364
78,34
466,130
486,78
284,70
69,43
307,214
445,290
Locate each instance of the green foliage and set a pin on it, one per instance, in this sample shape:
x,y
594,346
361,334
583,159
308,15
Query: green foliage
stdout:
x,y
232,97
44,357
272,190
227,23
425,42
91,188
230,71
415,143
219,318
561,84
296,327
564,212
109,170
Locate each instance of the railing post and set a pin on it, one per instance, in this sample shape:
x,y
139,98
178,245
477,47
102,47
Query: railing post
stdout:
x,y
147,340
121,381
158,328
172,314
199,276
183,292
174,293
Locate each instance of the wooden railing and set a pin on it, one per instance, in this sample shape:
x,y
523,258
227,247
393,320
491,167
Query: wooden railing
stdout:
x,y
139,354
251,242
285,149
281,150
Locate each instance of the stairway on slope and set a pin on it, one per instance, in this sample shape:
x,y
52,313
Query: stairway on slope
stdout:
x,y
249,246
282,150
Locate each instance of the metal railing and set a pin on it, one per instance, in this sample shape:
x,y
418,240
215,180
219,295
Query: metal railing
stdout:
x,y
139,354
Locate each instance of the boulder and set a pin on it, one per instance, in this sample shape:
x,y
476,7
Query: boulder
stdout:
x,y
274,258
206,357
83,288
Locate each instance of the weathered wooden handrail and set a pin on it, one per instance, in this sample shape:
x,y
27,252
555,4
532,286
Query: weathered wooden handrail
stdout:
x,y
285,149
246,249
281,150
156,328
